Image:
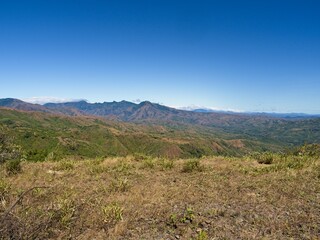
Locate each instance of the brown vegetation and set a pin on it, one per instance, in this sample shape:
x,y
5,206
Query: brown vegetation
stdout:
x,y
149,198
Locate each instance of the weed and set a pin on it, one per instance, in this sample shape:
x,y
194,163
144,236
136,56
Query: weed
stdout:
x,y
4,190
166,164
122,167
148,163
202,235
97,169
192,165
65,211
13,166
265,158
120,185
173,219
316,171
112,213
96,161
294,163
64,166
139,157
188,216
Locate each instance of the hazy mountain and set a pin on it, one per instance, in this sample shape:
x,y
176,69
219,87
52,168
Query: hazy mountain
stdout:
x,y
84,128
45,135
277,129
21,105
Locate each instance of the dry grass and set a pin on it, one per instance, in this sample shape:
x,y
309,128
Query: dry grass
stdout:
x,y
126,198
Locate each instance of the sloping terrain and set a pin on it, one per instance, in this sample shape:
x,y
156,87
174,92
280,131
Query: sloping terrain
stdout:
x,y
50,136
264,128
152,198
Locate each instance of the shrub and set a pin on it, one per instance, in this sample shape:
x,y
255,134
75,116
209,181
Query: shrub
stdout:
x,y
192,165
265,158
97,169
4,189
166,164
65,211
202,235
310,150
37,155
64,166
122,167
120,185
148,163
112,213
13,166
139,157
8,150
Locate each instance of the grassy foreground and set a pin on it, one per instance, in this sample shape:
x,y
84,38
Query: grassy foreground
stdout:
x,y
150,198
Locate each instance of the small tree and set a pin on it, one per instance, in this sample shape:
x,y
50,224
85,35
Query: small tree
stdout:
x,y
10,154
8,150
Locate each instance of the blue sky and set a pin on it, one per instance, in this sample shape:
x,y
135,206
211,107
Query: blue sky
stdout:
x,y
241,55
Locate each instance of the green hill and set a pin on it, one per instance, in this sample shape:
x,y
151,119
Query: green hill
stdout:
x,y
49,136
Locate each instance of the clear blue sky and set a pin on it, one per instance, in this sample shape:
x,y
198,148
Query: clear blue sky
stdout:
x,y
243,55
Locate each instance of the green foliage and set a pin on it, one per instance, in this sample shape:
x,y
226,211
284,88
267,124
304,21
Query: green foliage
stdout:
x,y
112,213
187,216
65,210
148,163
38,155
13,166
120,185
97,169
310,150
4,189
173,219
264,158
64,166
316,172
166,164
47,137
122,167
193,151
192,165
202,235
95,166
8,150
139,157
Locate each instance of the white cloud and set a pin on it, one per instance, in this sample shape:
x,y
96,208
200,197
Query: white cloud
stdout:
x,y
137,100
194,107
43,100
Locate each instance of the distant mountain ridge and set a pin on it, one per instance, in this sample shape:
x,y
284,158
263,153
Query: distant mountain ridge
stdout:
x,y
198,132
129,111
21,105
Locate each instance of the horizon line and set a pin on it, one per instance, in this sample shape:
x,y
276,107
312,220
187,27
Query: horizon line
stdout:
x,y
45,100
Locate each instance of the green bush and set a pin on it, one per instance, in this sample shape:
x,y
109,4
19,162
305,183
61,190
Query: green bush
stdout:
x,y
112,213
166,164
202,235
13,166
310,150
265,158
139,157
148,163
8,150
4,189
37,155
64,166
192,165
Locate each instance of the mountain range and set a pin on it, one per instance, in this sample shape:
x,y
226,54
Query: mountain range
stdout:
x,y
144,127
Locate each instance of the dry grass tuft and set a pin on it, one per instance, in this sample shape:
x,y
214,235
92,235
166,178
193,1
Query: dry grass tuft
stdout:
x,y
143,198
